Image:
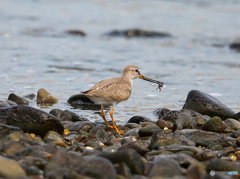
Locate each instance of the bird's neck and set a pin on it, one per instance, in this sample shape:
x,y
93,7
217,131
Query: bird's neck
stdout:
x,y
127,79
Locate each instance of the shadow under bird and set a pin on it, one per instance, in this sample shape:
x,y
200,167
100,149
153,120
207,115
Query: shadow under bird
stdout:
x,y
112,91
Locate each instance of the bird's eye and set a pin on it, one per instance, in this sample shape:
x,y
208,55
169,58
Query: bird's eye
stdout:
x,y
136,70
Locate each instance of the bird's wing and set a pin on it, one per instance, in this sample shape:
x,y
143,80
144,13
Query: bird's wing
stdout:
x,y
112,89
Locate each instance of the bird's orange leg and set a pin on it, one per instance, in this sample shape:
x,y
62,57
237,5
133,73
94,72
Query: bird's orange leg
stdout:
x,y
114,126
103,116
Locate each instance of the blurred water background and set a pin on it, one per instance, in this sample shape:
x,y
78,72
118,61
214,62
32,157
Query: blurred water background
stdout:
x,y
36,52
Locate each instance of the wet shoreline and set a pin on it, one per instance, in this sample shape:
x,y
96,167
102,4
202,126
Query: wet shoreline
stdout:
x,y
41,145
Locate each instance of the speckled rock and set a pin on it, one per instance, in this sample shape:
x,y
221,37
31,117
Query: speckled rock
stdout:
x,y
215,124
162,138
80,125
207,105
33,120
185,119
222,165
164,168
233,124
17,99
43,96
205,138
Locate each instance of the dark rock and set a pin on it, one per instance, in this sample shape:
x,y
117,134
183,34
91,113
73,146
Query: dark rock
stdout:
x,y
161,112
162,138
222,165
184,160
132,132
10,168
162,124
80,125
34,161
98,132
4,110
233,124
138,119
185,119
147,130
83,102
137,33
236,116
31,170
215,124
17,99
30,96
129,157
235,46
221,153
5,130
122,169
205,138
96,167
3,119
235,134
76,117
164,168
76,33
43,96
207,105
33,120
62,160
60,114
196,171
205,155
35,151
7,104
59,174
141,147
180,148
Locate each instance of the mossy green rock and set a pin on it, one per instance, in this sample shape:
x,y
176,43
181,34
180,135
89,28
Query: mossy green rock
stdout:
x,y
215,124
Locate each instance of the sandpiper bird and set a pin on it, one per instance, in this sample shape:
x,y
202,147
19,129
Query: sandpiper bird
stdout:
x,y
112,91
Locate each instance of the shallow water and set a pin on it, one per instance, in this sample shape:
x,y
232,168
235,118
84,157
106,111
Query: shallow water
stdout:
x,y
33,42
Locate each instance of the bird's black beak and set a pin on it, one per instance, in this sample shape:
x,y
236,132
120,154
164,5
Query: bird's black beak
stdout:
x,y
160,84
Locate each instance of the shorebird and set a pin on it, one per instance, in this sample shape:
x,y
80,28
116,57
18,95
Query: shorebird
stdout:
x,y
112,91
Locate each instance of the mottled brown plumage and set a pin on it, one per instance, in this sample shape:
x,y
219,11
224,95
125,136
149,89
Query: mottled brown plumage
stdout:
x,y
112,91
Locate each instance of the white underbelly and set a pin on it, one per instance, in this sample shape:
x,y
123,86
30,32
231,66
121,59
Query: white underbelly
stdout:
x,y
102,101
